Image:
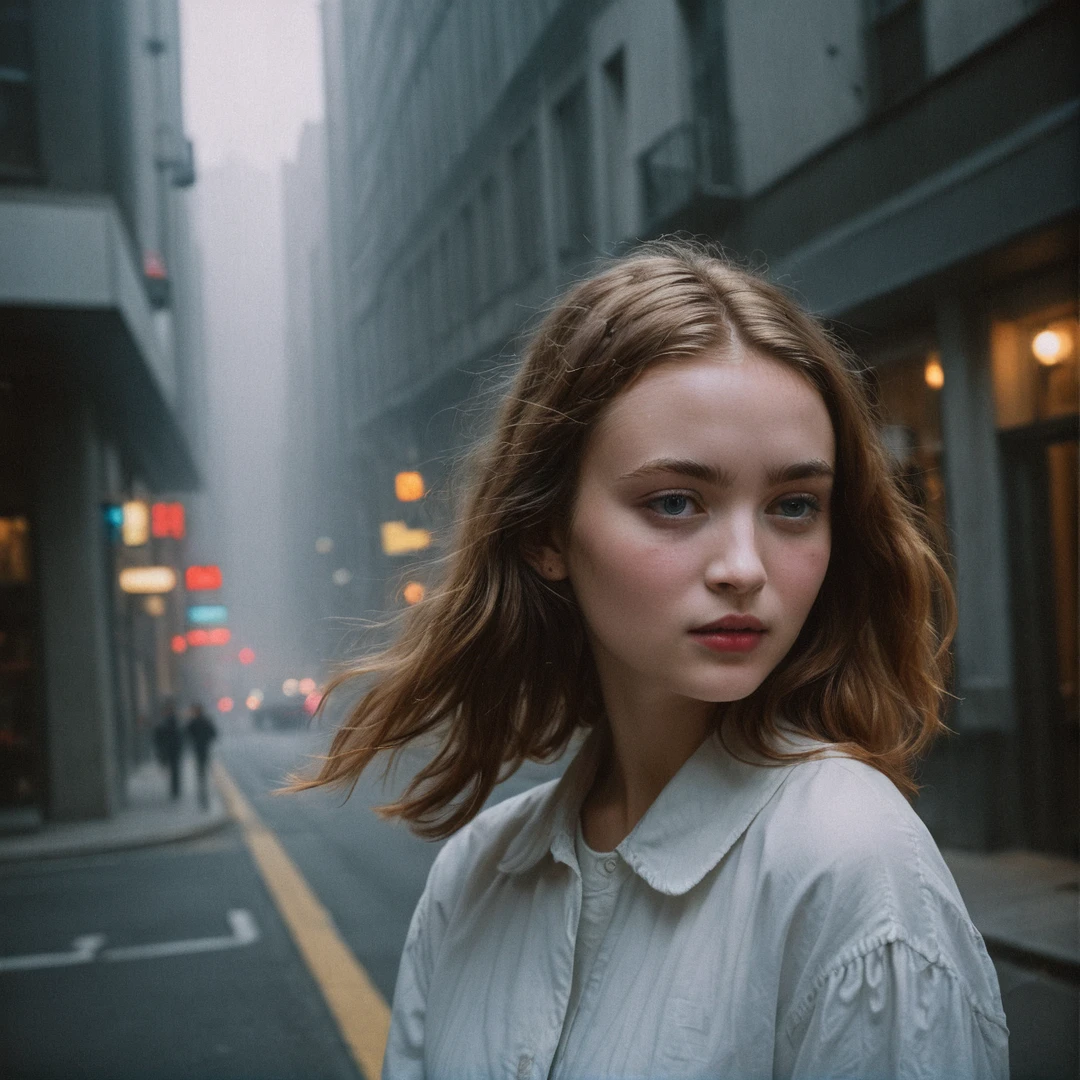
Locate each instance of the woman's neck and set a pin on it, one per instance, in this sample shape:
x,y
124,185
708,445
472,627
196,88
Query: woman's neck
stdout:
x,y
650,739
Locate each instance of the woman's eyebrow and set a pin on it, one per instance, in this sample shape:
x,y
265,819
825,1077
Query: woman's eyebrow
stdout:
x,y
801,470
697,470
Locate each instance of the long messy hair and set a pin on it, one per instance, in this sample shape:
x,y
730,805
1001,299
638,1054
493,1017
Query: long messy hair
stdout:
x,y
493,665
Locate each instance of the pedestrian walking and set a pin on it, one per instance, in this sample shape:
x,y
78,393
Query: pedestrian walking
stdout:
x,y
683,543
169,744
201,732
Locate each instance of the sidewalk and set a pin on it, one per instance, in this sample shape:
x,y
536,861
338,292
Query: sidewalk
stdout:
x,y
149,817
1026,906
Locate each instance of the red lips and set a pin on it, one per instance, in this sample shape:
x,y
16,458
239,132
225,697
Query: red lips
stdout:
x,y
731,634
731,622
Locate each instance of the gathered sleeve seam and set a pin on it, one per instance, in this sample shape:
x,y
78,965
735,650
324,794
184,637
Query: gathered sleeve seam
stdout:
x,y
892,934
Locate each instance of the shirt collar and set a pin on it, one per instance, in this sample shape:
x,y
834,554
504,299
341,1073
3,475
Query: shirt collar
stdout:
x,y
704,809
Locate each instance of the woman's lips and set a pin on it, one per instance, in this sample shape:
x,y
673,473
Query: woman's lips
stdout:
x,y
731,634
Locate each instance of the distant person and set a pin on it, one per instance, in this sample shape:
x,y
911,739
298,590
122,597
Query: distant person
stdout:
x,y
201,731
169,744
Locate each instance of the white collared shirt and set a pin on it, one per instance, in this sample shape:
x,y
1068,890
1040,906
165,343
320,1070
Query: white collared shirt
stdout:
x,y
792,921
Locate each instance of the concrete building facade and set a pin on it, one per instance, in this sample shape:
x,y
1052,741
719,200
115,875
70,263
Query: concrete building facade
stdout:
x,y
100,386
908,168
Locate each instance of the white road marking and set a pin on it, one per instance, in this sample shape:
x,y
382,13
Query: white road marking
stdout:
x,y
83,951
86,949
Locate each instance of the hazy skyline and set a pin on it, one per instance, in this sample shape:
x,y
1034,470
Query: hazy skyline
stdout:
x,y
252,77
252,74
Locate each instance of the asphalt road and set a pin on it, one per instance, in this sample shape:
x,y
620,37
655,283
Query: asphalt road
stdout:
x,y
138,964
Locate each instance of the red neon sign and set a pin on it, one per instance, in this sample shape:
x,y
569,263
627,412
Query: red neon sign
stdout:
x,y
198,578
179,643
220,635
167,520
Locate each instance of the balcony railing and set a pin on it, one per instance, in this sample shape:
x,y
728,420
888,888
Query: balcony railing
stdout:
x,y
685,173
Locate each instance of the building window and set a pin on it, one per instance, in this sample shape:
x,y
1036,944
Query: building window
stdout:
x,y
909,395
704,22
18,122
614,83
527,205
895,48
573,175
1034,364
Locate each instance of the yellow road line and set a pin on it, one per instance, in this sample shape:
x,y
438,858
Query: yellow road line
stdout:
x,y
361,1012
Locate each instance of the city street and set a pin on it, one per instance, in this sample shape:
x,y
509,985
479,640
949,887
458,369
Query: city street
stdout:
x,y
174,962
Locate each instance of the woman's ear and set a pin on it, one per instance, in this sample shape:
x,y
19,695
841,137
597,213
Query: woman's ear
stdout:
x,y
546,557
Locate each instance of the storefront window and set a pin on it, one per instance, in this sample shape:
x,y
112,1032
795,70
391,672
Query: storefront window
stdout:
x,y
14,551
1034,367
909,393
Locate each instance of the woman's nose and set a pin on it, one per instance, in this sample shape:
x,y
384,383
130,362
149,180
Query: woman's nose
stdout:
x,y
736,561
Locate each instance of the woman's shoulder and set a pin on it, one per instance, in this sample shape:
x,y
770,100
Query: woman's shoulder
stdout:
x,y
864,873
478,847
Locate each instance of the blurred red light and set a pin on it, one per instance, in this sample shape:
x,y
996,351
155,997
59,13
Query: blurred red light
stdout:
x,y
197,578
220,635
167,520
225,704
246,655
311,702
179,643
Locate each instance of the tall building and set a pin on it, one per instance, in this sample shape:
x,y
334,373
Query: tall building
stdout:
x,y
908,167
314,521
101,383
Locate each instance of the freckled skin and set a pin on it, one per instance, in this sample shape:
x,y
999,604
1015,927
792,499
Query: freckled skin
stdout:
x,y
652,557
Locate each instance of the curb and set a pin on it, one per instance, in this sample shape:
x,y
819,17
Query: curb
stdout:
x,y
42,845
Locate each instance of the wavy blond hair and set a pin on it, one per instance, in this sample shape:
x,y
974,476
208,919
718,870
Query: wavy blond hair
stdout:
x,y
494,663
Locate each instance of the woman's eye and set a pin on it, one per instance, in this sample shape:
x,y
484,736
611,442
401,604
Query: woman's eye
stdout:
x,y
798,507
672,505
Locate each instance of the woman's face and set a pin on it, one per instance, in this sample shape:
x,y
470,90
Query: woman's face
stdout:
x,y
700,535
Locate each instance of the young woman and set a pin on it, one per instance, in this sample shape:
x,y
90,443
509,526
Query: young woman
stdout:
x,y
684,541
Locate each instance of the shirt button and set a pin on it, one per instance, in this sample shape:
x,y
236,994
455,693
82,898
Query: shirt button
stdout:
x,y
524,1066
609,865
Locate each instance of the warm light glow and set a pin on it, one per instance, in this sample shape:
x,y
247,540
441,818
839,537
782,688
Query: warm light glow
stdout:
x,y
1050,346
135,530
225,704
934,373
220,635
257,694
246,655
148,579
253,702
324,545
409,486
341,576
207,614
200,578
399,539
167,520
306,686
311,702
179,644
413,592
154,605
290,687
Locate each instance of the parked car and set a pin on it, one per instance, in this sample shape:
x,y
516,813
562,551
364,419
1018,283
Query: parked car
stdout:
x,y
281,716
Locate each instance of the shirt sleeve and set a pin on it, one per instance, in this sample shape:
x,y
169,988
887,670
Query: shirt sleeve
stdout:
x,y
404,1057
892,1012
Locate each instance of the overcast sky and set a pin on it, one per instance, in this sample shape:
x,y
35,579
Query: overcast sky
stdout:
x,y
252,73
